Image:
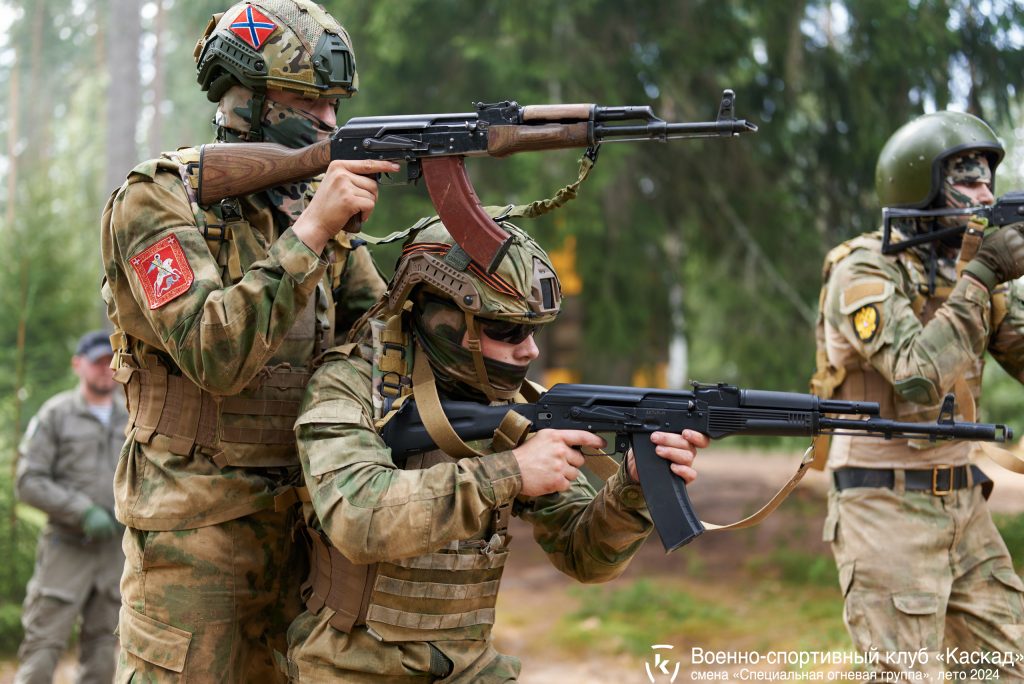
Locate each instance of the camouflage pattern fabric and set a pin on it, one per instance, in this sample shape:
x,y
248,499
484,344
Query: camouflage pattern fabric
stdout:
x,y
967,168
918,570
913,565
224,333
374,512
66,465
211,603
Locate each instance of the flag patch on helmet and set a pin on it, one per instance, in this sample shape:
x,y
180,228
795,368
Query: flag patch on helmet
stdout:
x,y
164,271
253,27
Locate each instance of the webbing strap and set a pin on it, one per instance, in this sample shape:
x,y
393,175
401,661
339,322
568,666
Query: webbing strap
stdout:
x,y
768,508
430,621
337,583
566,194
428,401
1002,457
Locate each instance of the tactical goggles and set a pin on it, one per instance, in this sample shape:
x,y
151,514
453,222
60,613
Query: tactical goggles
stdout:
x,y
507,331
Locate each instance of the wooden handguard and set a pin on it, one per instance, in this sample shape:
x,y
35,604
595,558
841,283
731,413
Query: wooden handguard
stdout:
x,y
233,170
558,112
505,140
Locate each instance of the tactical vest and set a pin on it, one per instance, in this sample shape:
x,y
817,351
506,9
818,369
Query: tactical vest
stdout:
x,y
254,427
445,595
854,379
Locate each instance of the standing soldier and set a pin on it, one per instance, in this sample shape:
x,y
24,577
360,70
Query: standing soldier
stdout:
x,y
66,470
408,556
917,551
219,311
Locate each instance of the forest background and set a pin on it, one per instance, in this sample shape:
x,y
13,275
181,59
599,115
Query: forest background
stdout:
x,y
692,259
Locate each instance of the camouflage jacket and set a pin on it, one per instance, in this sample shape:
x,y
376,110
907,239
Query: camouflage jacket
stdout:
x,y
374,512
219,309
66,460
906,350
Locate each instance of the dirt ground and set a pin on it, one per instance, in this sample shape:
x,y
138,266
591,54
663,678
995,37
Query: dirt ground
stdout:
x,y
732,485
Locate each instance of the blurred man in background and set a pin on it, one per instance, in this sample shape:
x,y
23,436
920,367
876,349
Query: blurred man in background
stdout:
x,y
66,469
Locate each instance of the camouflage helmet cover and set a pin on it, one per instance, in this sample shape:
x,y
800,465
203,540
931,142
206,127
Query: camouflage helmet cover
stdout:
x,y
910,165
292,45
523,289
457,303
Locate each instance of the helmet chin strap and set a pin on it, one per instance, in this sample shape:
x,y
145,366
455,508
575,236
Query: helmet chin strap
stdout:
x,y
476,349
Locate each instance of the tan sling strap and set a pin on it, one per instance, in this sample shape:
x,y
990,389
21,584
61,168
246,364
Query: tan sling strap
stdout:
x,y
428,402
768,508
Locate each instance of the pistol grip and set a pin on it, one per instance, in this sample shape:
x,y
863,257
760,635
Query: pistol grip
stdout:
x,y
674,518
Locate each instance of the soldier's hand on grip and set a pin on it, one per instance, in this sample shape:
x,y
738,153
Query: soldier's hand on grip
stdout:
x,y
680,449
1001,257
549,461
347,189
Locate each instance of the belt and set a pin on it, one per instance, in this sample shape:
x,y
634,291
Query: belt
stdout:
x,y
940,480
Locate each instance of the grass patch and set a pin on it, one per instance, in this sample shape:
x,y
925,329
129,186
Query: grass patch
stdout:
x,y
632,616
796,568
761,614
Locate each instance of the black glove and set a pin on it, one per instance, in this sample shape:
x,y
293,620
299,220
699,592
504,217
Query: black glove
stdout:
x,y
1001,257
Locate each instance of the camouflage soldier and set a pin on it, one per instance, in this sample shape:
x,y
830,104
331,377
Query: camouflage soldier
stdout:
x,y
917,551
218,312
66,470
407,557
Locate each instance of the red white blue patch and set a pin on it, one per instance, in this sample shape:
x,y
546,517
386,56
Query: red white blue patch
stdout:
x,y
164,271
253,27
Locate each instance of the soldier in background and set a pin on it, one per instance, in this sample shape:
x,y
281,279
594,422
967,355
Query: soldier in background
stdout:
x,y
219,311
918,554
66,469
408,557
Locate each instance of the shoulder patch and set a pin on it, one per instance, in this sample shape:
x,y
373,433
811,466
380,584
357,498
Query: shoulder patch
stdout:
x,y
163,270
866,322
863,292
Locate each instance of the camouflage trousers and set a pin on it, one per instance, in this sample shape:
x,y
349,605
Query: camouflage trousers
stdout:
x,y
211,604
318,652
920,571
71,579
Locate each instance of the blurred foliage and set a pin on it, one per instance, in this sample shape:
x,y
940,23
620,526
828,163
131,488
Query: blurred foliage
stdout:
x,y
1011,527
17,548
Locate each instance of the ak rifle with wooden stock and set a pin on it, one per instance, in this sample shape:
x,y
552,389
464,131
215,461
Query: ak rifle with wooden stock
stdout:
x,y
633,413
433,147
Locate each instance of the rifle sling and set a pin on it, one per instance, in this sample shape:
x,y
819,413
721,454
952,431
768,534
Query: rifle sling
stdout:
x,y
768,508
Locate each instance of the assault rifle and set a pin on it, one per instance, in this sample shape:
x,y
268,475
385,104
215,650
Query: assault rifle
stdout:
x,y
1006,210
716,410
433,147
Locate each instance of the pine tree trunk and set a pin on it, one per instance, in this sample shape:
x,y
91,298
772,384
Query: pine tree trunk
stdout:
x,y
123,93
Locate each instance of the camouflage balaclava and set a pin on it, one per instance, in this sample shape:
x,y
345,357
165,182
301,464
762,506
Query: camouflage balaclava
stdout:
x,y
280,123
439,327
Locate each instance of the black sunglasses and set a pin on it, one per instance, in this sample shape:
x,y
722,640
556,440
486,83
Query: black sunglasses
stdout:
x,y
507,331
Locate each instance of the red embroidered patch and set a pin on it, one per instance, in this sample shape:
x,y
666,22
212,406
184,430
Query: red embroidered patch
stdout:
x,y
164,271
253,27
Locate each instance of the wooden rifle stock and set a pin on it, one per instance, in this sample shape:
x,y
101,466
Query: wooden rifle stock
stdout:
x,y
505,140
232,170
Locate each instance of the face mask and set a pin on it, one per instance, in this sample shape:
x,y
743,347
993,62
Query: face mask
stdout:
x,y
292,127
439,327
281,124
969,167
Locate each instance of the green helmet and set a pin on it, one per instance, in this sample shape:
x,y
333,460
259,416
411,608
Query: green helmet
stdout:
x,y
292,45
909,170
455,298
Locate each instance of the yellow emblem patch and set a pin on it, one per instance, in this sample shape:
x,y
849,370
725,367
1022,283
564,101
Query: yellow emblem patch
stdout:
x,y
866,322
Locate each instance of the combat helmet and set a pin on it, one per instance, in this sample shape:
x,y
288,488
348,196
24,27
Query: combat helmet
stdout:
x,y
292,45
910,165
456,298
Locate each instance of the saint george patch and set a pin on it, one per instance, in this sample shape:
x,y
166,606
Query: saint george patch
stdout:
x,y
164,271
253,27
866,322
